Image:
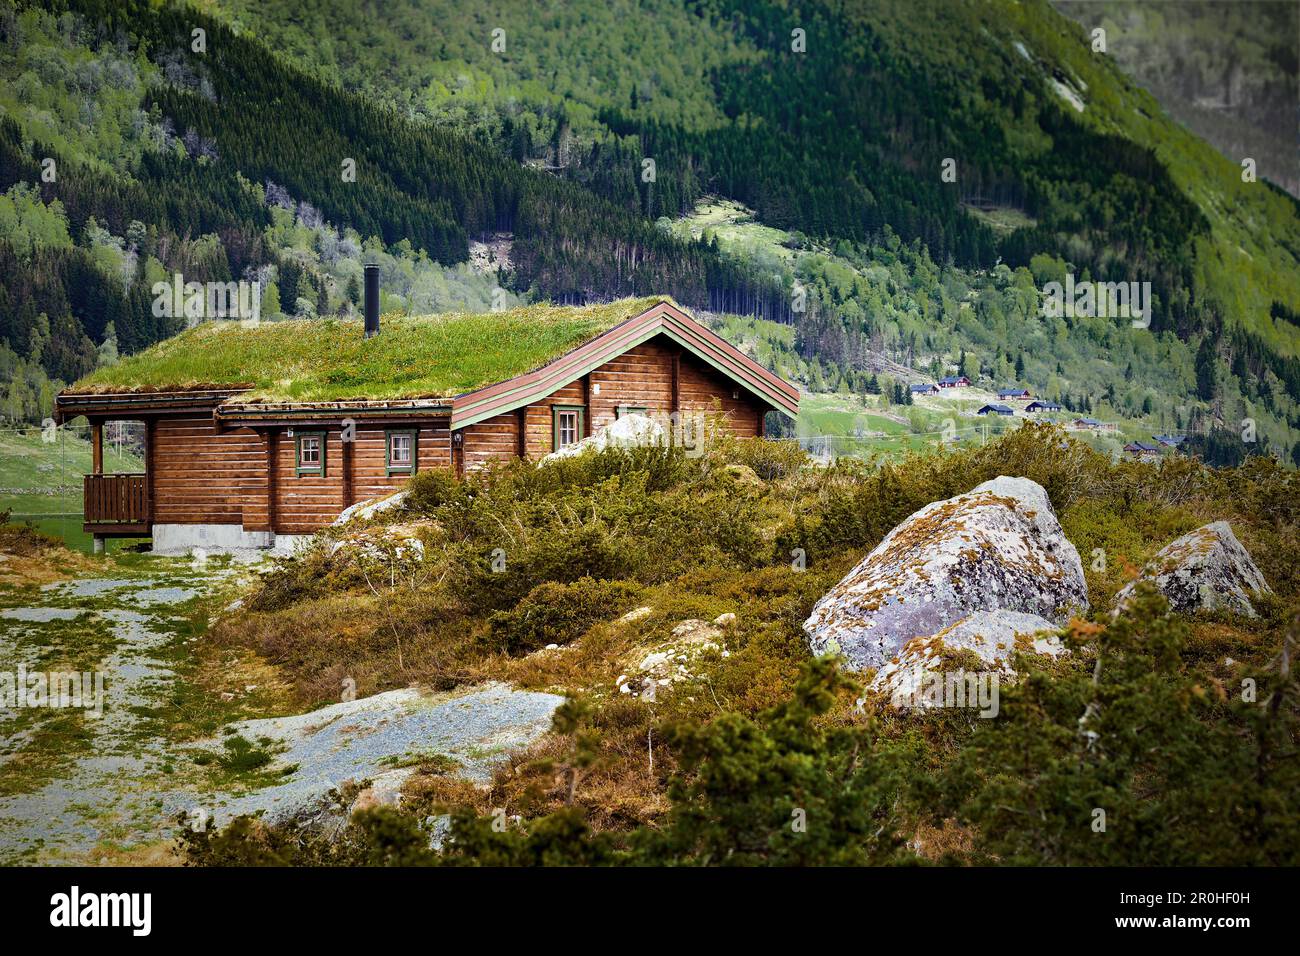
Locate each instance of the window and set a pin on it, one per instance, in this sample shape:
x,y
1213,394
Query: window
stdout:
x,y
567,425
401,456
623,411
310,453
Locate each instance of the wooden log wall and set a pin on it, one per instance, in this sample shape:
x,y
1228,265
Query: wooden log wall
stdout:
x,y
644,377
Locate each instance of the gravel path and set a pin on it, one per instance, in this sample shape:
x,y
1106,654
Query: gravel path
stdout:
x,y
124,788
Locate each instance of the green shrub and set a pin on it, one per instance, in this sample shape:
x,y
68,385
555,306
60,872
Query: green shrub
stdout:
x,y
555,613
427,491
771,460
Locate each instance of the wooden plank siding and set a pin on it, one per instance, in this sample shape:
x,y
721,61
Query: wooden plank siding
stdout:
x,y
642,377
202,477
701,385
306,503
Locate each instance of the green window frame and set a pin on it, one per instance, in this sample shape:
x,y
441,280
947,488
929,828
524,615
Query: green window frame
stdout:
x,y
558,412
399,468
621,410
309,467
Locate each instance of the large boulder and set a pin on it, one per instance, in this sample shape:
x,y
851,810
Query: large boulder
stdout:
x,y
986,640
630,431
1204,570
997,547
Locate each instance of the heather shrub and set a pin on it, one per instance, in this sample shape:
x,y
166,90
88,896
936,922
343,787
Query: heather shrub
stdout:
x,y
554,613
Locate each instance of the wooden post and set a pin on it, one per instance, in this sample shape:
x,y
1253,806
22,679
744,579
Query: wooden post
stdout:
x,y
97,448
586,404
522,415
150,434
272,471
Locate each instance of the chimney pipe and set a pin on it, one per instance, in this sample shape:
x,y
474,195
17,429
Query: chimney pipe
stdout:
x,y
372,299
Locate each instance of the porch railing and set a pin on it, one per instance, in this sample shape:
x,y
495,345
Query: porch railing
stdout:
x,y
116,499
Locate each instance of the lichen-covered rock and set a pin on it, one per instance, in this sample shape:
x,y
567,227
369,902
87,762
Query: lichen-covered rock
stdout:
x,y
365,510
636,614
743,480
383,549
630,431
1204,570
986,639
997,547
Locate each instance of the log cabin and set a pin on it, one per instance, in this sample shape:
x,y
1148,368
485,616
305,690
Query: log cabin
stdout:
x,y
257,436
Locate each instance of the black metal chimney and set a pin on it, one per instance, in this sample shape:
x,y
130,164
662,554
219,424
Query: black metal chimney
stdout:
x,y
372,299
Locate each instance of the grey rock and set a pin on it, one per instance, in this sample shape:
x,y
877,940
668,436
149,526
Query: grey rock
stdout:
x,y
630,431
993,636
1205,570
364,510
997,547
362,740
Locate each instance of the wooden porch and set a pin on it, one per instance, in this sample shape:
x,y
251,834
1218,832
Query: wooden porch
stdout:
x,y
116,505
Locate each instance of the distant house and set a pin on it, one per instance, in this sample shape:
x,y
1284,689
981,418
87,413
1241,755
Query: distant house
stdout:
x,y
1093,425
1141,449
1017,393
995,410
954,381
1170,441
925,389
1041,406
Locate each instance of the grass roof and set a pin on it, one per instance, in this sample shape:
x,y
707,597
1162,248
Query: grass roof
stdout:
x,y
325,360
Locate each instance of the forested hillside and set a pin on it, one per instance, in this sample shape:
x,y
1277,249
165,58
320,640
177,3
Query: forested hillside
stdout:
x,y
1229,71
588,137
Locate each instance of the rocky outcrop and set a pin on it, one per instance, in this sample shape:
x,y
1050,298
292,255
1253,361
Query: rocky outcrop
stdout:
x,y
985,641
383,739
364,510
997,547
675,661
1205,570
630,431
380,549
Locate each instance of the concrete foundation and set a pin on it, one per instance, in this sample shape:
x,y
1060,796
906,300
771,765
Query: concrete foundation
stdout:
x,y
213,539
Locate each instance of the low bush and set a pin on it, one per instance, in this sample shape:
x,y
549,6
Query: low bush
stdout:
x,y
554,613
710,771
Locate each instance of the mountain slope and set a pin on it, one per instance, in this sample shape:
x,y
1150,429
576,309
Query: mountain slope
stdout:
x,y
884,89
833,122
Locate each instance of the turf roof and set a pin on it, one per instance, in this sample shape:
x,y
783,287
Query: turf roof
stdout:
x,y
325,360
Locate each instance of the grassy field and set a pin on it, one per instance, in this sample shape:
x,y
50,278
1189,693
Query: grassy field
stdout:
x,y
40,481
1002,219
857,426
735,228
